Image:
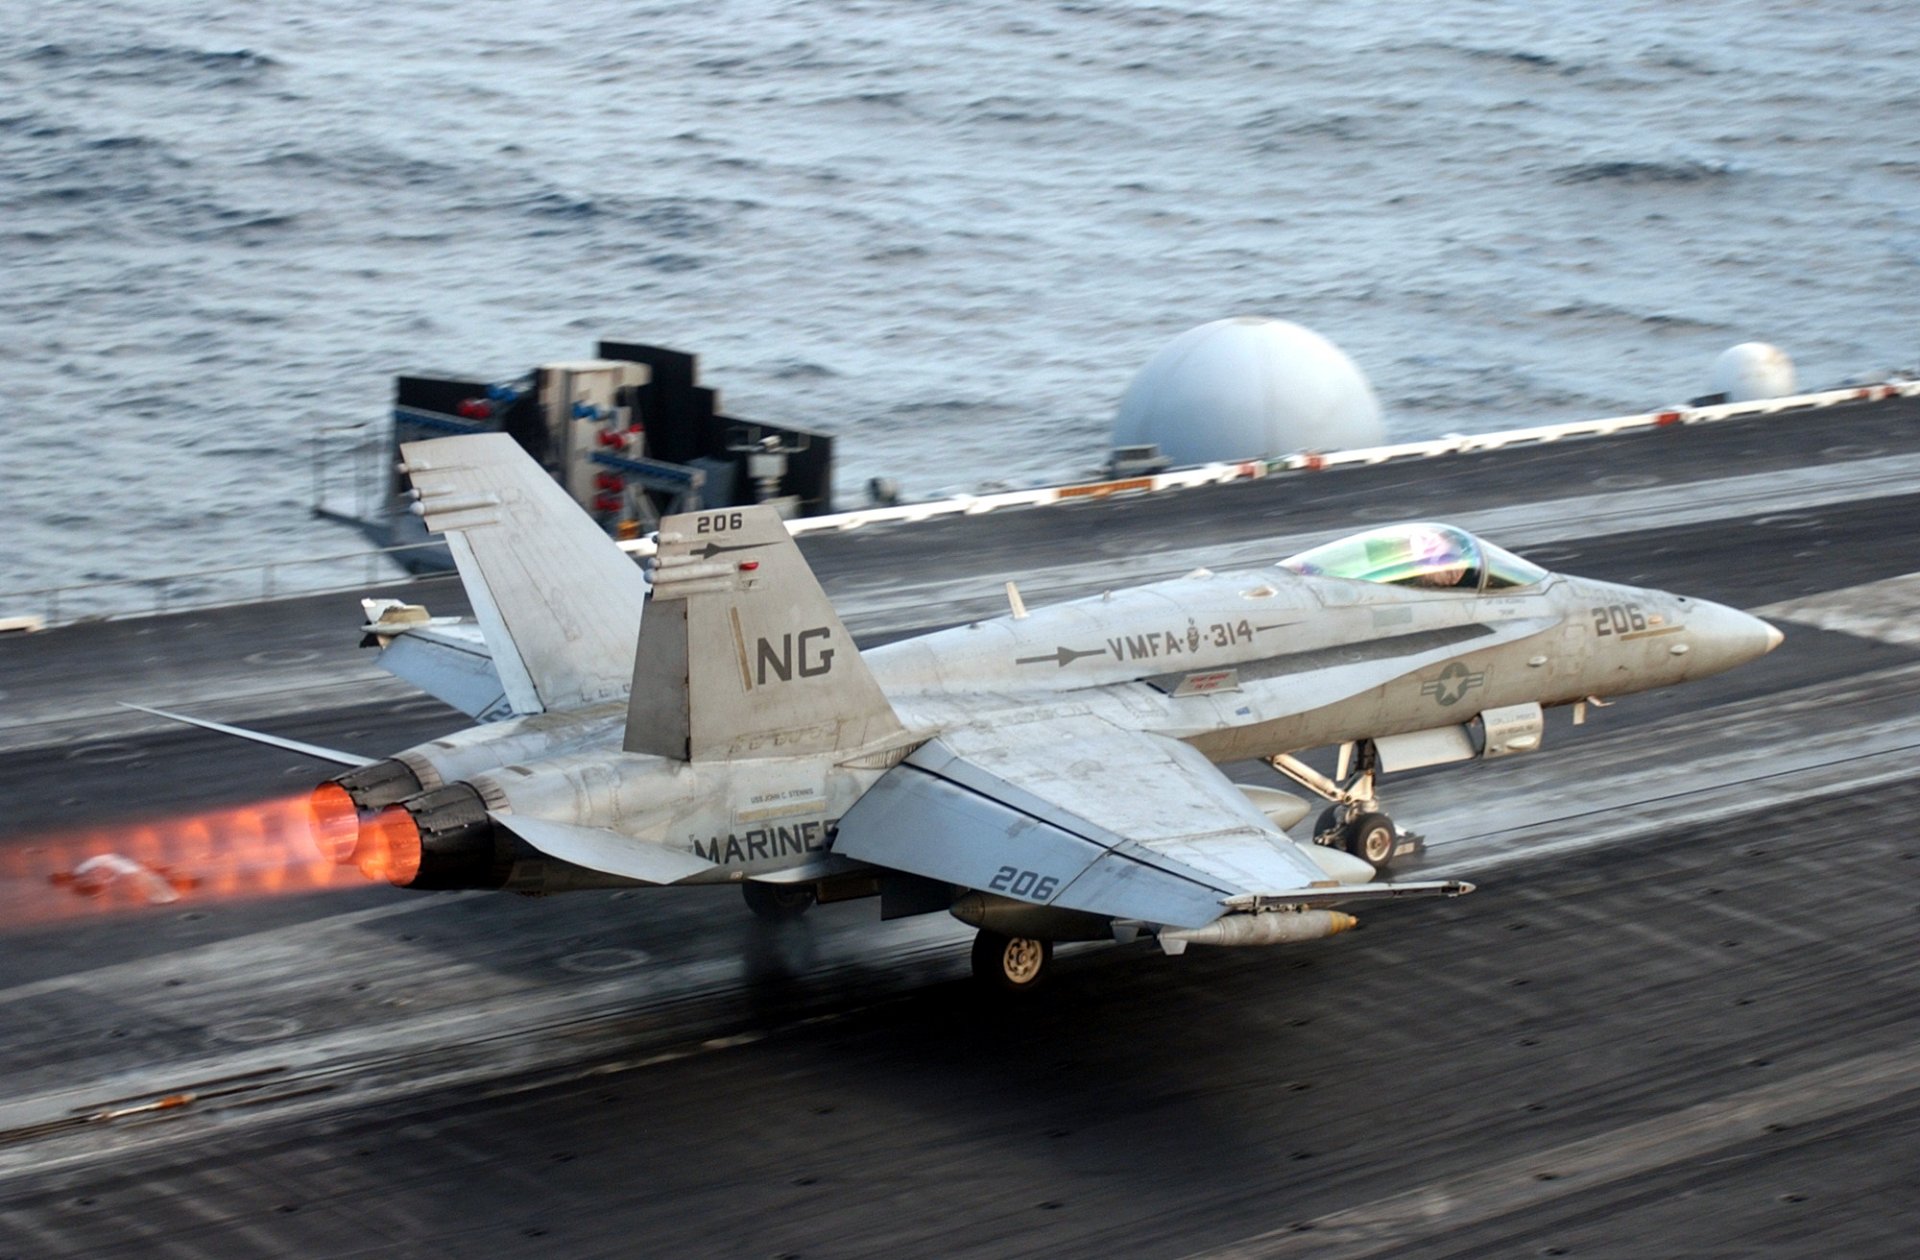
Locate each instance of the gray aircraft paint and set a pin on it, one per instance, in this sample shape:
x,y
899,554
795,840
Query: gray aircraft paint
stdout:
x,y
756,733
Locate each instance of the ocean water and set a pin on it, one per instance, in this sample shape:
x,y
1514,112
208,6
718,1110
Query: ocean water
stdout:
x,y
948,232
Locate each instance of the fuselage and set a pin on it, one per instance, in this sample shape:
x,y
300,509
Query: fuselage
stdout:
x,y
1252,664
1240,665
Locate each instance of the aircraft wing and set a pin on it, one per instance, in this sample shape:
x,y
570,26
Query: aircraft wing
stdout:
x,y
451,663
1073,811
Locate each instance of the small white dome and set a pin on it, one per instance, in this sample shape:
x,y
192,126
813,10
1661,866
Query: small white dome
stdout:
x,y
1752,370
1248,388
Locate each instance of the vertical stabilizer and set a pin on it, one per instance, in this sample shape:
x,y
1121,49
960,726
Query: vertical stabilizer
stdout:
x,y
741,654
558,602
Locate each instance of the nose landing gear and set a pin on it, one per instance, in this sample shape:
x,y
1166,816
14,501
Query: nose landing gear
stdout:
x,y
1371,837
1354,821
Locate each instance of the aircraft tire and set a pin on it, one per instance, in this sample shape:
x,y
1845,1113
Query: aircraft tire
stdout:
x,y
1329,822
1371,838
1011,964
777,903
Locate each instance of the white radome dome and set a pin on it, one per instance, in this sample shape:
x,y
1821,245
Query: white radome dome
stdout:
x,y
1753,370
1248,388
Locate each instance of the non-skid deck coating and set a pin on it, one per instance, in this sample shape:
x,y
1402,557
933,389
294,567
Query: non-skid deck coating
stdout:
x,y
1676,1019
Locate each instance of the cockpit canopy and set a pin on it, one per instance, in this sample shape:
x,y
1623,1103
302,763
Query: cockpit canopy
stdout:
x,y
1439,557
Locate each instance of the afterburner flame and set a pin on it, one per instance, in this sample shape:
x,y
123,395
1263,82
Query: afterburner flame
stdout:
x,y
268,849
335,821
389,847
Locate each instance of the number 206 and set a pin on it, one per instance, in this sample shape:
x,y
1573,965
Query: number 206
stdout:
x,y
1618,619
1009,879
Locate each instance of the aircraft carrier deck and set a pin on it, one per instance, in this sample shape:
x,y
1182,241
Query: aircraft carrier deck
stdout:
x,y
1680,1017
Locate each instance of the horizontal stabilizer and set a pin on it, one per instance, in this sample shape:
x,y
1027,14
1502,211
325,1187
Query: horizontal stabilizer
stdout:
x,y
450,663
605,851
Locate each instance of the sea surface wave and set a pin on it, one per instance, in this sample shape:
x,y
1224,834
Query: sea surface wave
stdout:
x,y
948,232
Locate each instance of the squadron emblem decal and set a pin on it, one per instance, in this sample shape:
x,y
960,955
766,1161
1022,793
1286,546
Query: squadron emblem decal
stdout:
x,y
1455,681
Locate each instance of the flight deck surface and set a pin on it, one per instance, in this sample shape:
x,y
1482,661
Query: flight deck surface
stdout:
x,y
1677,1016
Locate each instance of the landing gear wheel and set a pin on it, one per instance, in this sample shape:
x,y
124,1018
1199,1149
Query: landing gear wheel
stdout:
x,y
1012,964
1372,838
1329,823
777,903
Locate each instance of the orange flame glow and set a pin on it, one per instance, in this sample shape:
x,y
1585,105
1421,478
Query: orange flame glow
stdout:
x,y
335,822
268,849
389,847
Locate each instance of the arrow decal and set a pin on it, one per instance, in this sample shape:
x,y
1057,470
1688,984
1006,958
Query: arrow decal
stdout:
x,y
708,551
1061,656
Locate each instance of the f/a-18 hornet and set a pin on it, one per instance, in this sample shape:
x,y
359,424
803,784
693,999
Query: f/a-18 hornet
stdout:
x,y
1043,776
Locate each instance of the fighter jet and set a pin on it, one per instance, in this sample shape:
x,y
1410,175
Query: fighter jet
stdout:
x,y
1048,775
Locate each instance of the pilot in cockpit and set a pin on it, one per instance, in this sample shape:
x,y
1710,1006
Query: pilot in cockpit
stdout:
x,y
1427,555
1437,560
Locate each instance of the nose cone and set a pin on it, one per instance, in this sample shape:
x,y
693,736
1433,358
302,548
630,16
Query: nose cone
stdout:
x,y
1721,637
